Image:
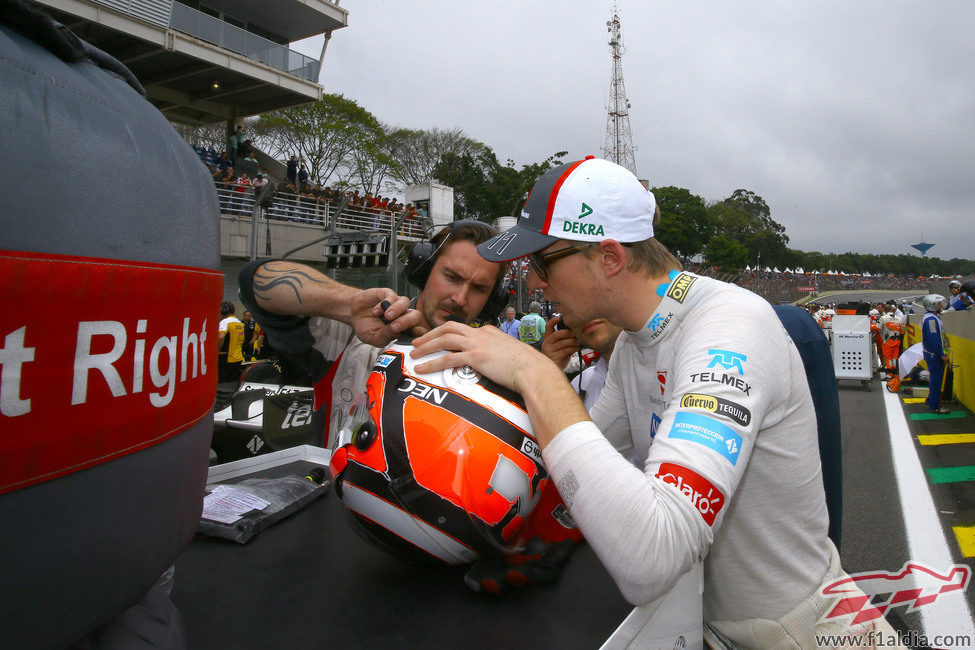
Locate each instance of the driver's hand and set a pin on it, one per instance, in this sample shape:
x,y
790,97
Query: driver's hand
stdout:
x,y
558,345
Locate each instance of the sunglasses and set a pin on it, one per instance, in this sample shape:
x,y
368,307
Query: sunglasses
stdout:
x,y
540,262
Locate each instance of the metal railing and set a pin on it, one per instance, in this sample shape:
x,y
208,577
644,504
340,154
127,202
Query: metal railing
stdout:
x,y
156,12
213,30
239,201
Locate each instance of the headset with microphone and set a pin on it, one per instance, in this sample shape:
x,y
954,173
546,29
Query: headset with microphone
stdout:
x,y
420,259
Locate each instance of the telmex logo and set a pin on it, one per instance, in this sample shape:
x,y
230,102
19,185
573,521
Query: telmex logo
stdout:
x,y
728,380
915,585
658,323
717,405
727,360
680,286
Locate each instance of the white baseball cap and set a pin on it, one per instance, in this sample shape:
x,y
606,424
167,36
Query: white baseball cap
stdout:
x,y
588,200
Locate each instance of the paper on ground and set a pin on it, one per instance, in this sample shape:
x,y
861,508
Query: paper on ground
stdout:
x,y
227,504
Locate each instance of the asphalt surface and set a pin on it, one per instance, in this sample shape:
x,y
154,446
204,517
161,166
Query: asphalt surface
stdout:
x,y
875,538
874,533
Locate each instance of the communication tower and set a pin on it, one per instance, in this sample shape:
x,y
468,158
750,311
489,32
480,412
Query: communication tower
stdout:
x,y
618,146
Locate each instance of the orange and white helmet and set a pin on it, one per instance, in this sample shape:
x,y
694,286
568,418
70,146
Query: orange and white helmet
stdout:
x,y
441,466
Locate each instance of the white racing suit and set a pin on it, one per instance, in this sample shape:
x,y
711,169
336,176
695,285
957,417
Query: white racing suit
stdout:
x,y
711,401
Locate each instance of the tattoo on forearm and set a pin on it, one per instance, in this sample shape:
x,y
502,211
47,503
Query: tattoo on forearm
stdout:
x,y
281,275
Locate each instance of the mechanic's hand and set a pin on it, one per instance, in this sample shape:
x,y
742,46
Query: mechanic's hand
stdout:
x,y
558,345
378,324
540,563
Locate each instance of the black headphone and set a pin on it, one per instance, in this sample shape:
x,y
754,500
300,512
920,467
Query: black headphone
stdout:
x,y
421,256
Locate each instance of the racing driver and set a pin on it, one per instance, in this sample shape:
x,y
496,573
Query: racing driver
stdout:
x,y
705,392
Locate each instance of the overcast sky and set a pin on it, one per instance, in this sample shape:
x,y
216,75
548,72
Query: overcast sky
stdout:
x,y
855,121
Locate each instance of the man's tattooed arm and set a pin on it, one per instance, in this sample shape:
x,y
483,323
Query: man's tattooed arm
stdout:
x,y
284,287
377,314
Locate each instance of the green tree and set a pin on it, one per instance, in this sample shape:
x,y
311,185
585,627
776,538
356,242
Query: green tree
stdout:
x,y
326,135
726,253
417,152
684,225
484,188
745,217
373,164
208,136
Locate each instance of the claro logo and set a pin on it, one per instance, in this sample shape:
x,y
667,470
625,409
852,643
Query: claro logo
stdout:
x,y
705,498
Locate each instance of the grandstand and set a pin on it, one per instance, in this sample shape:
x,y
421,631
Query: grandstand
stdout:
x,y
797,286
214,62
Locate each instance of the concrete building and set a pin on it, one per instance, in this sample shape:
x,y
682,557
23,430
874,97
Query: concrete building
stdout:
x,y
220,61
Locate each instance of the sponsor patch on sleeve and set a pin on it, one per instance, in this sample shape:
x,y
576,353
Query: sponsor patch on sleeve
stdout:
x,y
708,432
717,405
705,498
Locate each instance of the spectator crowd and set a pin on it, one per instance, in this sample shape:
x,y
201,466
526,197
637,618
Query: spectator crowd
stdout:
x,y
297,198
